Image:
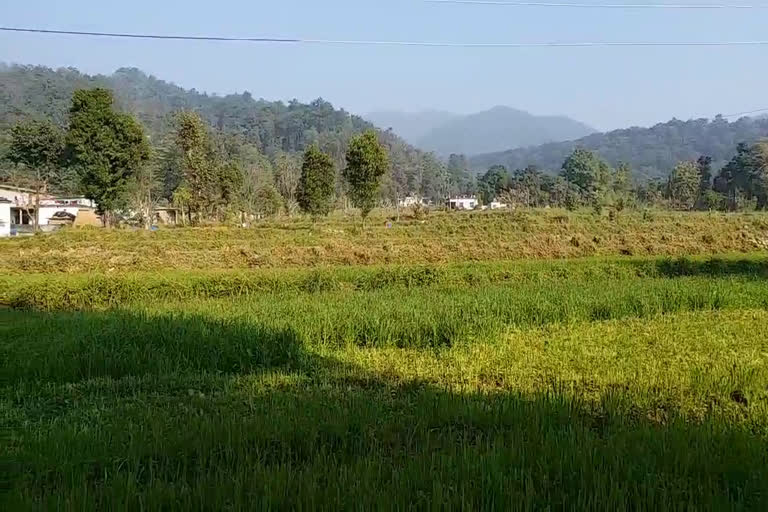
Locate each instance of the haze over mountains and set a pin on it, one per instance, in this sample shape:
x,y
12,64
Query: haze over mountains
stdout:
x,y
411,126
498,129
500,136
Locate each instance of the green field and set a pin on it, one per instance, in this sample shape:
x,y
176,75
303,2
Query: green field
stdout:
x,y
613,382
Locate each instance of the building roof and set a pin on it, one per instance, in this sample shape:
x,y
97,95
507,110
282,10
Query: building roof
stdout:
x,y
5,186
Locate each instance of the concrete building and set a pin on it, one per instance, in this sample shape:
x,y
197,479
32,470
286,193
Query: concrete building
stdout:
x,y
54,211
167,216
5,217
461,203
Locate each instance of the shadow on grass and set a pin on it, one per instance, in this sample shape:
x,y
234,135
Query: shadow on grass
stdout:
x,y
110,410
714,267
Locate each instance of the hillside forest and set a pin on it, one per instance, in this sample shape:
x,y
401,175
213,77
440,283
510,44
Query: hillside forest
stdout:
x,y
219,158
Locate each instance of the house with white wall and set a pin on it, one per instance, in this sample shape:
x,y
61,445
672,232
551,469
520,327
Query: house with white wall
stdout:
x,y
22,205
5,217
461,203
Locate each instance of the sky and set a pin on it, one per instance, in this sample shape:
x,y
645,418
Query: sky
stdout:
x,y
605,87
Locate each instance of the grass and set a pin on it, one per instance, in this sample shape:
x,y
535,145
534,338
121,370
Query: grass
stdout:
x,y
103,290
438,238
667,413
179,380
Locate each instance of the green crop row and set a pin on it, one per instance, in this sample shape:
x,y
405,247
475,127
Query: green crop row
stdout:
x,y
94,291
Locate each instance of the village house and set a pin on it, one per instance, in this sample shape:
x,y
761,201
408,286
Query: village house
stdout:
x,y
20,204
5,217
461,203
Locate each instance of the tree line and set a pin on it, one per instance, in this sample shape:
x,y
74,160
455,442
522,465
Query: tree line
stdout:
x,y
266,138
106,155
651,152
587,180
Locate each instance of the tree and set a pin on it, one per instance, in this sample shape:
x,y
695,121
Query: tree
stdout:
x,y
144,192
745,176
459,178
181,199
712,200
38,145
105,147
198,172
316,184
367,162
704,163
589,173
684,185
493,183
230,180
287,174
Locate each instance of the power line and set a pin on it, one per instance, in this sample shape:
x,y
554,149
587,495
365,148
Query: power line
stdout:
x,y
284,40
739,114
596,5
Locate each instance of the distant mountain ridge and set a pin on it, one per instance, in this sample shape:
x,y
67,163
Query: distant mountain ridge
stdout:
x,y
411,126
500,128
651,152
496,129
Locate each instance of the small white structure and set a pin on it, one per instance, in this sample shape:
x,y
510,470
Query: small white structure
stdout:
x,y
5,217
461,203
496,205
48,211
409,201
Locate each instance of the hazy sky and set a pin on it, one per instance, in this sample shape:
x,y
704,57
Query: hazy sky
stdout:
x,y
605,87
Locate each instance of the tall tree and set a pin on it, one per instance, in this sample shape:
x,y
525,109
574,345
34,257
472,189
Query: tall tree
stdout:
x,y
589,173
745,177
704,164
38,145
493,183
367,162
461,182
317,183
683,185
105,147
199,173
287,174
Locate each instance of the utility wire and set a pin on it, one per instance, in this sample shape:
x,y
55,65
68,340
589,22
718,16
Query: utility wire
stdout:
x,y
739,114
384,42
596,5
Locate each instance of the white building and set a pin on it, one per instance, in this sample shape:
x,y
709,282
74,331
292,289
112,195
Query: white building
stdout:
x,y
5,217
461,203
496,205
20,203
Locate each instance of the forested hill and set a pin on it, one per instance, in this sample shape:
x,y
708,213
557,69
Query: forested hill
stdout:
x,y
651,152
272,128
28,91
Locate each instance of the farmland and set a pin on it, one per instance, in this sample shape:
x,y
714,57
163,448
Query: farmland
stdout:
x,y
499,361
435,238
